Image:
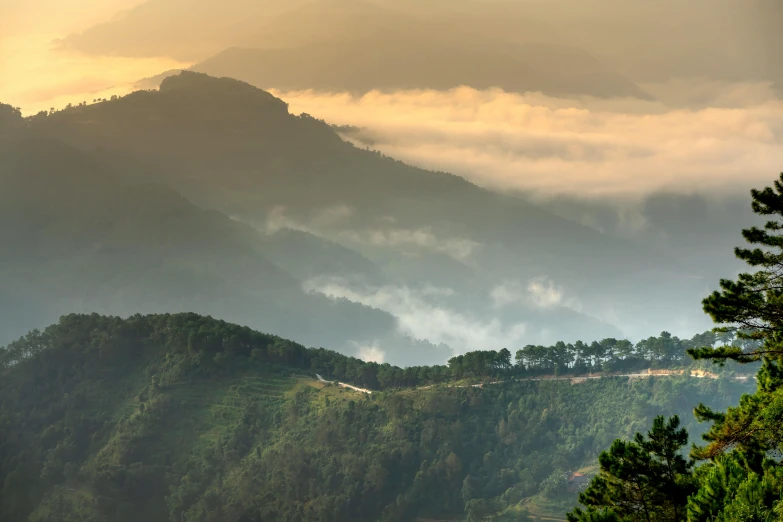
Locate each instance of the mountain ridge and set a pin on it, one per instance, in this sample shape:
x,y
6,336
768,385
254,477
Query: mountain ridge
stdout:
x,y
90,241
178,416
234,149
360,66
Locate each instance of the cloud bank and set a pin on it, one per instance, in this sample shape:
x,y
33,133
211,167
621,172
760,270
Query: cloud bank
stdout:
x,y
333,219
539,292
370,352
422,313
421,317
585,146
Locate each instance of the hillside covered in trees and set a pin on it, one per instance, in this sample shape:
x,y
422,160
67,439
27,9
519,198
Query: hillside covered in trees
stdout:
x,y
183,417
209,196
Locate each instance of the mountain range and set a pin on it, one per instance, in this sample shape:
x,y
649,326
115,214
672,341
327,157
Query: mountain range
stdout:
x,y
597,48
208,196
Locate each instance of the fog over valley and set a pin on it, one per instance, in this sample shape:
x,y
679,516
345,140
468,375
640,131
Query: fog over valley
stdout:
x,y
612,174
391,260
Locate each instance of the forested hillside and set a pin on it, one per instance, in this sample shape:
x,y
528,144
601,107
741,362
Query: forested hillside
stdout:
x,y
219,201
183,417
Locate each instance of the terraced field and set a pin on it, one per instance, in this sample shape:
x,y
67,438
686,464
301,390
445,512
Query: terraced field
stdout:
x,y
204,412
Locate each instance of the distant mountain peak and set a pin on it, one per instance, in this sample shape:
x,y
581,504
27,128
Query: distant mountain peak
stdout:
x,y
219,89
384,60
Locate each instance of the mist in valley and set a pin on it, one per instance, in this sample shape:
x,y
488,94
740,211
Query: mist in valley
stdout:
x,y
351,260
610,171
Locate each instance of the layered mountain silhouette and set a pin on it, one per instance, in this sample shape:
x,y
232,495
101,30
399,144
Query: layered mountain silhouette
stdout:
x,y
363,65
208,196
79,236
357,46
596,47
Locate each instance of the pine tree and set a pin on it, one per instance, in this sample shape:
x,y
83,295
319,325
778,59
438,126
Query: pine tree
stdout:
x,y
646,479
742,482
718,481
751,306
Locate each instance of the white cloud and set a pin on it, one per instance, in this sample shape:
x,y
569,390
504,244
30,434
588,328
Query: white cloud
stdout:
x,y
544,293
508,293
576,146
370,353
278,219
540,292
420,317
457,248
331,222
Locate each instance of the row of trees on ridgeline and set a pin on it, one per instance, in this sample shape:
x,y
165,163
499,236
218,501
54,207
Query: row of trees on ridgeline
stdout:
x,y
186,418
217,341
609,355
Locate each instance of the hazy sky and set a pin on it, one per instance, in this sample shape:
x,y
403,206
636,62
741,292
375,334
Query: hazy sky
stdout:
x,y
716,123
56,16
587,147
35,75
700,133
735,40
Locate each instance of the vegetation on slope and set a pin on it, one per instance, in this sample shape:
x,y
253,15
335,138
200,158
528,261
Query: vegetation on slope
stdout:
x,y
182,417
739,476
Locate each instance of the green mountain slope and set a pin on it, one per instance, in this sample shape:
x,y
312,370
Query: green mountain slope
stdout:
x,y
229,147
181,417
78,237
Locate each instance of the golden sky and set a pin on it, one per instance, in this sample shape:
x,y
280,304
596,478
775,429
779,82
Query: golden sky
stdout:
x,y
555,145
730,37
63,16
35,75
700,133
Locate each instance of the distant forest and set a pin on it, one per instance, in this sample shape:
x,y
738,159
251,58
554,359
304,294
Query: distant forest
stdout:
x,y
187,418
608,355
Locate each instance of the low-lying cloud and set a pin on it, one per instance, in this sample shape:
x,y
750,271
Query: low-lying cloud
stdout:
x,y
589,147
540,292
457,248
278,219
331,222
370,352
422,313
420,316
